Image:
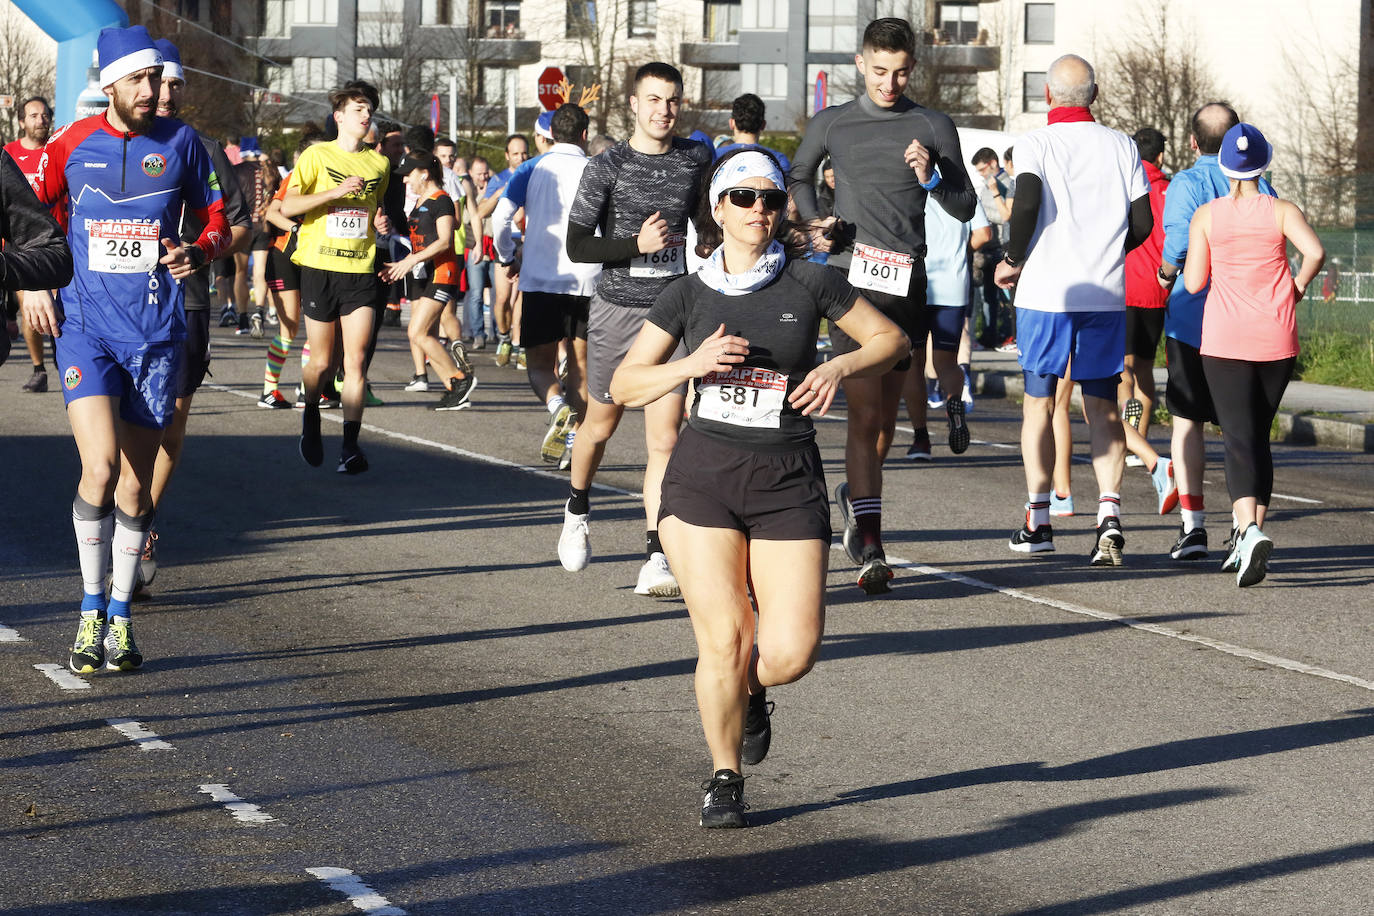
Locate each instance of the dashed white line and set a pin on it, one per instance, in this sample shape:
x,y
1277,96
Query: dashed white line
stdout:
x,y
1218,645
63,678
241,810
359,894
7,634
145,739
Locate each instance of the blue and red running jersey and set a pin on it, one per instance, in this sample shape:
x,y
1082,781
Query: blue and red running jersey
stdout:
x,y
117,196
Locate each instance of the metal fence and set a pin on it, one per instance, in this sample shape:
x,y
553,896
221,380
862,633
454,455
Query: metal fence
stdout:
x,y
1341,298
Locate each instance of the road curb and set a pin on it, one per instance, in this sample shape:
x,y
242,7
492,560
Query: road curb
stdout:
x,y
1294,428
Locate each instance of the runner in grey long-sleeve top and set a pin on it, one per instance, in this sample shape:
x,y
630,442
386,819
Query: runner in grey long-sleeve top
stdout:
x,y
889,155
639,194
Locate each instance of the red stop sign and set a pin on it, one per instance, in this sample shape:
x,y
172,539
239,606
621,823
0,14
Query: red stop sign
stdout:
x,y
548,88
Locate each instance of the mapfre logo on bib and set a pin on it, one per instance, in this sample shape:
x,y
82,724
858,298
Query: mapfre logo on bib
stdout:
x,y
154,164
71,378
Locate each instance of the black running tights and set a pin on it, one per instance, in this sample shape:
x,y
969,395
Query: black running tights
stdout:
x,y
1246,396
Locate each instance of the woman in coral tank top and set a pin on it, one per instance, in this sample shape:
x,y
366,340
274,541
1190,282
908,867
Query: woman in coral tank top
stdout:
x,y
1249,328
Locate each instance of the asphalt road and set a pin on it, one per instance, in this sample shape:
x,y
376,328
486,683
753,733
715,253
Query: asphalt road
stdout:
x,y
383,694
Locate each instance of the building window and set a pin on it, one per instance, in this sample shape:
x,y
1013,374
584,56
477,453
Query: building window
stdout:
x,y
501,19
278,79
643,18
491,88
720,88
317,12
275,18
1033,92
768,81
435,74
442,12
764,14
958,23
380,23
315,74
384,73
581,19
832,25
722,20
1039,23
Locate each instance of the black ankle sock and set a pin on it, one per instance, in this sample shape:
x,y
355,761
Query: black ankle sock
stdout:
x,y
579,503
651,544
39,367
351,430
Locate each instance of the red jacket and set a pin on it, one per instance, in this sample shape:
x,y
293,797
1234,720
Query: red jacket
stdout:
x,y
1142,264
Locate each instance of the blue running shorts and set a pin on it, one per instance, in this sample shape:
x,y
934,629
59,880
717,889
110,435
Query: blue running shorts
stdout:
x,y
142,375
1088,347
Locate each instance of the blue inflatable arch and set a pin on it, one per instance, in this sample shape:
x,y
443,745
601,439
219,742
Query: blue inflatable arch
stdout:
x,y
74,25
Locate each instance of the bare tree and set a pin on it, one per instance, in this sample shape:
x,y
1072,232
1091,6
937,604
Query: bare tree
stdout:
x,y
1156,78
27,65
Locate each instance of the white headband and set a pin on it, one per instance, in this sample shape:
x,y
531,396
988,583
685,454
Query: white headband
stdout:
x,y
748,164
116,70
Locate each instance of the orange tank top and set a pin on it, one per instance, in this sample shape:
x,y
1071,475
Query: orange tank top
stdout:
x,y
1250,311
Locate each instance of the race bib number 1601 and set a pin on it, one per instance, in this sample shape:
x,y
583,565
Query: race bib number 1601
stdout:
x,y
880,270
121,246
743,396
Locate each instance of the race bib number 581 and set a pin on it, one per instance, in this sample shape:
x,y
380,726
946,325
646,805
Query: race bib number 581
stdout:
x,y
120,246
743,396
880,270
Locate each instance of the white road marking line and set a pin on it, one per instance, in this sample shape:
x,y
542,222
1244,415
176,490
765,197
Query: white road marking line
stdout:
x,y
63,678
1297,499
443,447
1276,661
1220,646
10,635
145,739
359,894
242,810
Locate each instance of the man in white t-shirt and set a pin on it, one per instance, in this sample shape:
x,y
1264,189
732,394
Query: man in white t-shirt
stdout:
x,y
1082,202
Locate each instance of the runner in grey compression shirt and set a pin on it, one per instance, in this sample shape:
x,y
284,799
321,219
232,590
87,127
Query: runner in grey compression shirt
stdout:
x,y
877,195
612,196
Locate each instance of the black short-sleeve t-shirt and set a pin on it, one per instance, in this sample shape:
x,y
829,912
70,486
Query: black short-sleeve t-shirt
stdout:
x,y
424,231
748,406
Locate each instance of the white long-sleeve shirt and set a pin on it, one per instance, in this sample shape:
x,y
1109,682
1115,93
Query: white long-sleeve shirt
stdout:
x,y
546,190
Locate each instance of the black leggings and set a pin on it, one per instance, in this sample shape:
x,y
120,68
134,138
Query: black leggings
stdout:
x,y
1246,396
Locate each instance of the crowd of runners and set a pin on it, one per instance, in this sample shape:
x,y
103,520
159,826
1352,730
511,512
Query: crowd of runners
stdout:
x,y
667,274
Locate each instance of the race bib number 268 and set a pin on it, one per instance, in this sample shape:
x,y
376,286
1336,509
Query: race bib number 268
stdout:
x,y
120,246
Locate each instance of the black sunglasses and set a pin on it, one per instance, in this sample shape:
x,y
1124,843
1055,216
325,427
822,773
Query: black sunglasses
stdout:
x,y
744,198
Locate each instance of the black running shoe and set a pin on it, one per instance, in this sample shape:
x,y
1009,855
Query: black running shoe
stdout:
x,y
459,397
121,652
919,450
1133,411
1110,540
460,357
1191,545
875,573
958,430
88,652
352,460
312,444
1041,540
724,804
758,729
850,537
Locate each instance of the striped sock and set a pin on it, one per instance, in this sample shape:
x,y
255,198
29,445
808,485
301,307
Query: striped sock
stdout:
x,y
868,518
1191,509
1037,510
1108,504
276,359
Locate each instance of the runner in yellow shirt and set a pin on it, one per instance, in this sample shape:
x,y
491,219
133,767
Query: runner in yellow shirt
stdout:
x,y
337,188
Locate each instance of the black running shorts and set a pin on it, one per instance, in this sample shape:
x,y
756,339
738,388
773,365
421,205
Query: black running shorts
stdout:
x,y
328,295
547,318
442,293
1188,395
767,495
907,312
195,353
1144,327
282,274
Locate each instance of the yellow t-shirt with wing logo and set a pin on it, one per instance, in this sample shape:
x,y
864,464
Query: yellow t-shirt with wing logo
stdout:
x,y
339,236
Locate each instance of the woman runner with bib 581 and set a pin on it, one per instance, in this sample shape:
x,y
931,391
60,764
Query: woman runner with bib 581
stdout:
x,y
744,505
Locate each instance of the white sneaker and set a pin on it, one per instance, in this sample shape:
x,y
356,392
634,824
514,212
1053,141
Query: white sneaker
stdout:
x,y
1134,461
575,543
418,383
656,579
